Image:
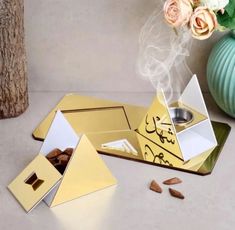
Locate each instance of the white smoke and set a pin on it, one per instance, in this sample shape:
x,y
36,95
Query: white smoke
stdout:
x,y
162,55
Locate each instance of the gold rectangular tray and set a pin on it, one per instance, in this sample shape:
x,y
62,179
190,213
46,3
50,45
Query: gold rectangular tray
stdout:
x,y
104,121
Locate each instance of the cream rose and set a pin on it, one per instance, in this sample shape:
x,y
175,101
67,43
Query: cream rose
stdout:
x,y
178,12
214,4
203,23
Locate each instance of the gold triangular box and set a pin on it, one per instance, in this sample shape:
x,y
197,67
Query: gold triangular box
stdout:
x,y
85,173
157,126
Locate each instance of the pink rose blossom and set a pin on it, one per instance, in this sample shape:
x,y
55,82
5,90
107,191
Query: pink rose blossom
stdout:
x,y
178,12
203,23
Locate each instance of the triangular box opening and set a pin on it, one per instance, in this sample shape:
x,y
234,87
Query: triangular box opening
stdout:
x,y
61,135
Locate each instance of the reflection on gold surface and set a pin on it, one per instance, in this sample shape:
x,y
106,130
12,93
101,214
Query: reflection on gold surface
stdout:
x,y
96,120
222,131
98,139
120,145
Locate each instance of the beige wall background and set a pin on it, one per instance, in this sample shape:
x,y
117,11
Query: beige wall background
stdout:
x,y
92,45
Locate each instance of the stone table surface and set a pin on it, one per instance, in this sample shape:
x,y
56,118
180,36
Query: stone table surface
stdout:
x,y
209,202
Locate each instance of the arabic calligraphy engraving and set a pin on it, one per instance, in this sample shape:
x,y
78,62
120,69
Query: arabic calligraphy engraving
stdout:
x,y
160,156
152,127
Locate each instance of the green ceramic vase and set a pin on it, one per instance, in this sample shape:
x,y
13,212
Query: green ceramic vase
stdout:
x,y
221,73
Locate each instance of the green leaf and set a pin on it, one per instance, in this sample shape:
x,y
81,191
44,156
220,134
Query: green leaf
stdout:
x,y
230,8
228,18
226,21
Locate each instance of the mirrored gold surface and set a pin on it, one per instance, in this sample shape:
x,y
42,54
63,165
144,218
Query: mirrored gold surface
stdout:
x,y
85,173
201,164
75,102
98,119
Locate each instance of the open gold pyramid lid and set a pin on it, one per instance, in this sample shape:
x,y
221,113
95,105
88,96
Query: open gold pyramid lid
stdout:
x,y
34,182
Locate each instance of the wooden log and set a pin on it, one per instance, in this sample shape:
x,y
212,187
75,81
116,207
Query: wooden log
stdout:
x,y
13,77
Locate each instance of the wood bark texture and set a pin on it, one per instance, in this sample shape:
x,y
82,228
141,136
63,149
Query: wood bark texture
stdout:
x,y
13,77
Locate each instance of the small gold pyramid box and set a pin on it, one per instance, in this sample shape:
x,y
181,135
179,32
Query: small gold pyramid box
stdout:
x,y
85,172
